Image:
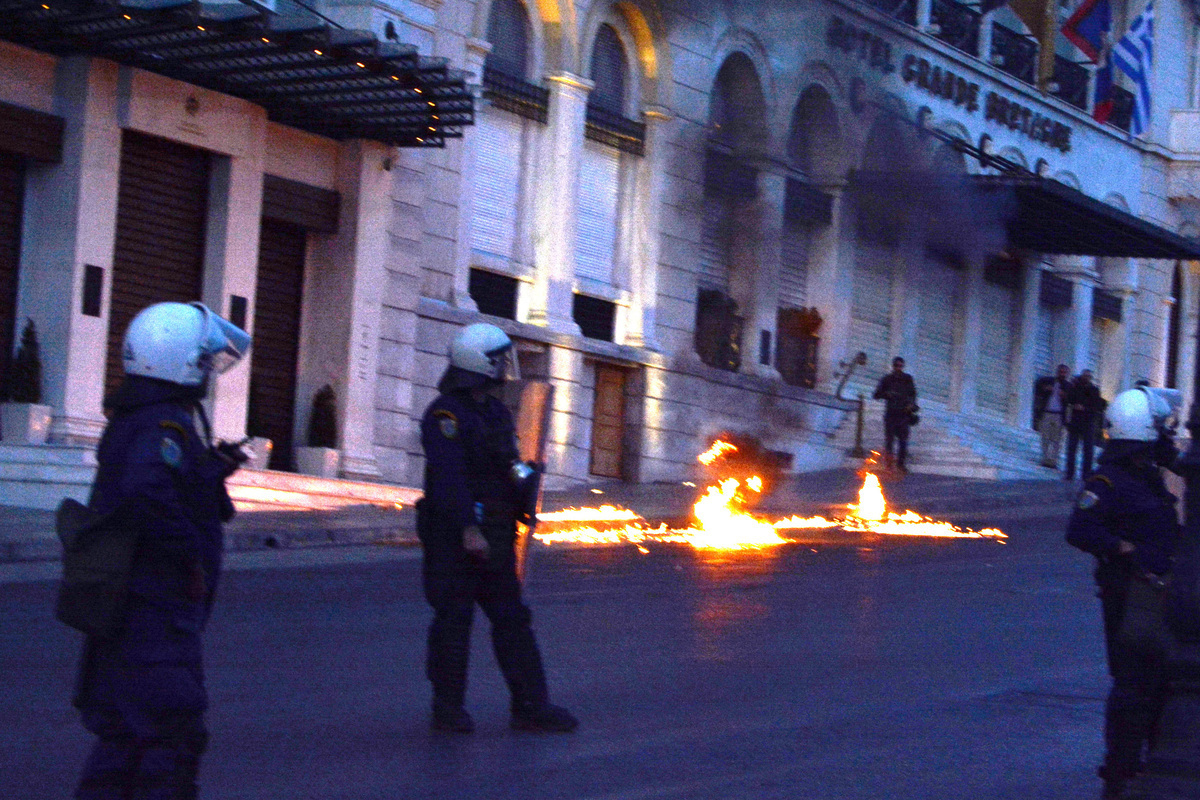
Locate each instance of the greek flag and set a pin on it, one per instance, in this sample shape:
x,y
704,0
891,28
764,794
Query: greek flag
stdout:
x,y
1133,55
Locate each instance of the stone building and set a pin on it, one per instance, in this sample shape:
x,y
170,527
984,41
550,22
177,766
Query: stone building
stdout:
x,y
690,214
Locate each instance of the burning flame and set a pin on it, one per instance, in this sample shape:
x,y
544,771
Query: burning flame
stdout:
x,y
721,523
715,451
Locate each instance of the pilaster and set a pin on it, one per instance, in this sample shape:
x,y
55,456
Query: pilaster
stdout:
x,y
1025,348
644,219
344,304
831,286
762,274
476,53
80,195
555,212
964,386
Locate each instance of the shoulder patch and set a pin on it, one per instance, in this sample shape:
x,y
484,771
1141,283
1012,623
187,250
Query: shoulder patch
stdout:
x,y
172,425
1087,500
447,423
172,453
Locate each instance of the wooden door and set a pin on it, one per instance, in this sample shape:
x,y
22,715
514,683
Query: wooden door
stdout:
x,y
608,422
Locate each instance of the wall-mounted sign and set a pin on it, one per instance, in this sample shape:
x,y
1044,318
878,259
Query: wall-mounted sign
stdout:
x,y
942,82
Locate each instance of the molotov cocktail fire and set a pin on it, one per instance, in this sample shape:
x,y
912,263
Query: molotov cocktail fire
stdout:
x,y
720,519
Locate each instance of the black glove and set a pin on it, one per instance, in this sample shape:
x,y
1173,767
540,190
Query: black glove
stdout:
x,y
1164,452
231,456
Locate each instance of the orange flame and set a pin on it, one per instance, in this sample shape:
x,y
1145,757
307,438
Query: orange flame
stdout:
x,y
721,523
715,451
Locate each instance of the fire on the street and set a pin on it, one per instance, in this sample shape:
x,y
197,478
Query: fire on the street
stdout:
x,y
720,520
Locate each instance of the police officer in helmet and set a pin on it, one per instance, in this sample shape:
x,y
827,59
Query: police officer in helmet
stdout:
x,y
1126,518
476,488
141,691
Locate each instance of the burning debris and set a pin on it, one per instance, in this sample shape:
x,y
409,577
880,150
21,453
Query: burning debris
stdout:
x,y
720,520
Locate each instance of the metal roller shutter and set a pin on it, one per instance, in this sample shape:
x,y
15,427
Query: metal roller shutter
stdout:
x,y
933,358
1044,352
277,304
793,268
596,219
715,245
871,310
12,174
159,251
497,182
1000,312
1096,349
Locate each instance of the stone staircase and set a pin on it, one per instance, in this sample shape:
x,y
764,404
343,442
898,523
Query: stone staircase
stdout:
x,y
961,445
41,476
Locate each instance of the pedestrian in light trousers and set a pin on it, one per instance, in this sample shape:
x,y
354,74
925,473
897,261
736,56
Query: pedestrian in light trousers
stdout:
x,y
1049,412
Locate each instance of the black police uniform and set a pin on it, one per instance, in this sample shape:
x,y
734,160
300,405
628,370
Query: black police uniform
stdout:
x,y
1126,500
141,692
470,448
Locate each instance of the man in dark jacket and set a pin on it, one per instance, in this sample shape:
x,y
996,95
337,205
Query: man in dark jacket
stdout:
x,y
1085,412
1126,518
899,393
141,691
475,492
1049,412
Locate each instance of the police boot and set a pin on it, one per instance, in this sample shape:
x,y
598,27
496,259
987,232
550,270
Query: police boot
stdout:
x,y
451,717
542,717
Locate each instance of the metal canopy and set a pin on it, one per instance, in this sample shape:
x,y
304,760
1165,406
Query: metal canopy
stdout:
x,y
305,71
1041,214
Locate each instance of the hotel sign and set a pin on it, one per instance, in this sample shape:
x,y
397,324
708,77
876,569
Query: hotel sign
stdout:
x,y
876,53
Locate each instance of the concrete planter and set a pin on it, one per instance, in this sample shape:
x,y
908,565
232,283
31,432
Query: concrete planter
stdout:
x,y
323,462
261,447
24,423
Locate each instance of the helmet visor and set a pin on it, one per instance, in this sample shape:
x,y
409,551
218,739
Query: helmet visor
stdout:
x,y
222,344
1165,405
504,364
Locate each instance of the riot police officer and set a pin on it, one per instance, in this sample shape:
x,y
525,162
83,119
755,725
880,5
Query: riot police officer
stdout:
x,y
1126,518
141,691
475,490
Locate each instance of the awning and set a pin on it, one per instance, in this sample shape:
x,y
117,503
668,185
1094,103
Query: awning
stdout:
x,y
305,71
1044,216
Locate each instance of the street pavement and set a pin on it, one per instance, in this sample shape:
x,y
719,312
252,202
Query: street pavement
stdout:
x,y
881,667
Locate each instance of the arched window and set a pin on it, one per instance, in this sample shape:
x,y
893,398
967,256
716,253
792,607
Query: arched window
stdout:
x,y
608,71
508,32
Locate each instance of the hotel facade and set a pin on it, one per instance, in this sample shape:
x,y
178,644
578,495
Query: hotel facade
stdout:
x,y
690,216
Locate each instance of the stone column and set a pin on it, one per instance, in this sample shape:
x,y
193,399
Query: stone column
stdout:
x,y
1020,413
231,268
476,53
831,287
342,315
80,196
555,214
1081,323
968,335
644,218
754,282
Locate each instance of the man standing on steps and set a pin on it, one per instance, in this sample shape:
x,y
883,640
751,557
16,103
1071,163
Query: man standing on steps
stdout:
x,y
1085,412
899,393
1049,412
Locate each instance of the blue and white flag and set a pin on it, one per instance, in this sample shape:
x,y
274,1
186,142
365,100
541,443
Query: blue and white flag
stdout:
x,y
1133,56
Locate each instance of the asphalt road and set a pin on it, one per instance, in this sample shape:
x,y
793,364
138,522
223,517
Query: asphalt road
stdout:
x,y
892,668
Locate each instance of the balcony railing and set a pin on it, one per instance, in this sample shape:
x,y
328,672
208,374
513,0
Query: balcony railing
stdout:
x,y
903,10
1014,53
610,128
1122,110
957,25
1071,82
515,95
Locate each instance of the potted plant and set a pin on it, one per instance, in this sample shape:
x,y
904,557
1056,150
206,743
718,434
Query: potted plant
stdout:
x,y
321,457
23,419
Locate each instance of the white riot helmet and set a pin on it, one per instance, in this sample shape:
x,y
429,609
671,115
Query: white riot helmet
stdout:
x,y
1141,414
484,350
181,343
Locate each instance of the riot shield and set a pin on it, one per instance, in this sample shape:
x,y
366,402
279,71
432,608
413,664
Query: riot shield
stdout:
x,y
535,402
